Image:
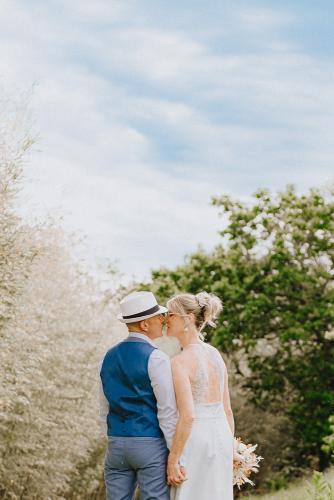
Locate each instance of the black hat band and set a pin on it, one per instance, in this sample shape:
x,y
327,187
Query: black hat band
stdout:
x,y
152,310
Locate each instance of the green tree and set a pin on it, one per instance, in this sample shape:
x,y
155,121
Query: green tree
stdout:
x,y
274,272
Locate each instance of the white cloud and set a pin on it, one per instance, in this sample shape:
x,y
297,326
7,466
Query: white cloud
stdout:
x,y
112,86
143,222
263,19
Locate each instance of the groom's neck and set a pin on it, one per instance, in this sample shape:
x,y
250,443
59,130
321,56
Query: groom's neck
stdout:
x,y
134,329
137,330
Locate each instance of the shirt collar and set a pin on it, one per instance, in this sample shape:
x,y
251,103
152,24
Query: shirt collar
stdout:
x,y
143,337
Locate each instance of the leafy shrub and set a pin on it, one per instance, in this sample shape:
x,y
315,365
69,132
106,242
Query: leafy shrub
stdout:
x,y
274,273
55,324
328,446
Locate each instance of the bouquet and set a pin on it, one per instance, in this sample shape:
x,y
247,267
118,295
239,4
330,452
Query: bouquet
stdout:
x,y
245,461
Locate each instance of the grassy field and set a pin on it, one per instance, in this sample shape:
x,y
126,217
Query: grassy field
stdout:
x,y
300,490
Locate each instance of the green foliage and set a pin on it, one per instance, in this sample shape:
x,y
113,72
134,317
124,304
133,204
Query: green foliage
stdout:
x,y
320,489
328,446
277,483
274,272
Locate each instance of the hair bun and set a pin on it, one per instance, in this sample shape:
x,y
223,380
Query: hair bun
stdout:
x,y
202,298
212,306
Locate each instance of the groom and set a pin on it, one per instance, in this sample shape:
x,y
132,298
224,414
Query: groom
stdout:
x,y
137,404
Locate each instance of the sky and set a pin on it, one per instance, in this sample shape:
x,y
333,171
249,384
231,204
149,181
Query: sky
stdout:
x,y
146,109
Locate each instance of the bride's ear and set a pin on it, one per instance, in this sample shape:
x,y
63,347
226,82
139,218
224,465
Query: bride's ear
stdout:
x,y
189,320
192,318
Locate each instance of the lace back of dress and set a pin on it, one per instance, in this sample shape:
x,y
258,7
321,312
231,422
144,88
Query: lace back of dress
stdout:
x,y
207,383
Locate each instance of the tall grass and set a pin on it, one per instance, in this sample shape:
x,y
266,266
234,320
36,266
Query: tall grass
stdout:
x,y
318,487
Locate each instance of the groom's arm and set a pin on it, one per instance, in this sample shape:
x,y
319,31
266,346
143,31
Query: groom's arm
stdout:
x,y
160,373
103,406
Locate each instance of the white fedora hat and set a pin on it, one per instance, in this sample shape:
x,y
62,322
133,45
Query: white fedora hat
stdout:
x,y
138,306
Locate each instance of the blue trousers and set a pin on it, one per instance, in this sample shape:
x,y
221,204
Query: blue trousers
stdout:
x,y
136,460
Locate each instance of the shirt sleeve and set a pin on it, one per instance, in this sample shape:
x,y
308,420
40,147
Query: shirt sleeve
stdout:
x,y
103,406
160,373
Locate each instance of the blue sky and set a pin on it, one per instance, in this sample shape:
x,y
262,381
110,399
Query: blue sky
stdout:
x,y
146,109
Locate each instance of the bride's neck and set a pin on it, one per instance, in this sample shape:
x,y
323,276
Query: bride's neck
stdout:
x,y
190,338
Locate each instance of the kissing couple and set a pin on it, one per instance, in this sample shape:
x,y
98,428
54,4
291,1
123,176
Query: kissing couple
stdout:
x,y
169,421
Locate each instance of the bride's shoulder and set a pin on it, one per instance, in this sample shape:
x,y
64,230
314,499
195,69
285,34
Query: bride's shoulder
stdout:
x,y
215,352
211,348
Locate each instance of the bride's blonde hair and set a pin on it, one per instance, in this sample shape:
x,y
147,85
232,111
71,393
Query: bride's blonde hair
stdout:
x,y
205,307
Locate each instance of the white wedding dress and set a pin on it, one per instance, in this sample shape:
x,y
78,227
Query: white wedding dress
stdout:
x,y
208,452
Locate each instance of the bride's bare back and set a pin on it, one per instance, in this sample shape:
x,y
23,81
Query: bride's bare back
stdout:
x,y
205,373
204,377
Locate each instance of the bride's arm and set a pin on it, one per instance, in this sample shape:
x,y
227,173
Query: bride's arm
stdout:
x,y
227,402
185,406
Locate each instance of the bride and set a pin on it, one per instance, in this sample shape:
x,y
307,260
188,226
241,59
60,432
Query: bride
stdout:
x,y
205,427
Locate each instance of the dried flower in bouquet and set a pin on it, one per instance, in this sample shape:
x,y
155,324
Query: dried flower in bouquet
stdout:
x,y
245,461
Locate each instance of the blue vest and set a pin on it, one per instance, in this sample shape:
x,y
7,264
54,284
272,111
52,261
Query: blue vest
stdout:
x,y
127,387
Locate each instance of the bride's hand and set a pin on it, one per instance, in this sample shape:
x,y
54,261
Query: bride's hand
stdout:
x,y
175,474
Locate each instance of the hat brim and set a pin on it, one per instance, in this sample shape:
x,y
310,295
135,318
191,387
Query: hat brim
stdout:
x,y
161,310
